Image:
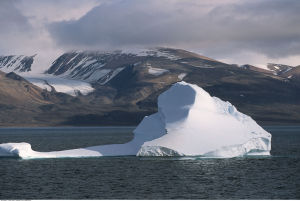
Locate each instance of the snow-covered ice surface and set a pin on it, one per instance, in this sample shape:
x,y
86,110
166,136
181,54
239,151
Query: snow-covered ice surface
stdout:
x,y
110,75
181,76
189,122
197,124
64,85
16,63
42,83
155,52
156,71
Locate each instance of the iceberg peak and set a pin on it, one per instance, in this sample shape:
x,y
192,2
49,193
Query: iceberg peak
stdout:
x,y
196,124
189,122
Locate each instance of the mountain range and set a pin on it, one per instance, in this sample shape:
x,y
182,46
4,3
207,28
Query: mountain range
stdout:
x,y
89,88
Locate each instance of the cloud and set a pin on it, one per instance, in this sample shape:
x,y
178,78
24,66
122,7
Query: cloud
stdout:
x,y
268,27
12,22
24,27
17,21
235,31
55,10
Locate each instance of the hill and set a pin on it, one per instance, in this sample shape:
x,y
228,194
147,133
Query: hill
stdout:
x,y
126,85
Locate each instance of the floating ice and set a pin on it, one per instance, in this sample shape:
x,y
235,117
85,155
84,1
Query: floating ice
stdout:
x,y
189,122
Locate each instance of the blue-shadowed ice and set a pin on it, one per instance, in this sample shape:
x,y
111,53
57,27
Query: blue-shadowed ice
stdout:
x,y
189,122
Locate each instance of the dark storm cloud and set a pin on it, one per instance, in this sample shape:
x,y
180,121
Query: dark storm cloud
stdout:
x,y
242,31
11,19
23,26
13,27
270,27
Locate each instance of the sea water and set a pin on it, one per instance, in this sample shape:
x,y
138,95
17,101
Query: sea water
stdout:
x,y
272,177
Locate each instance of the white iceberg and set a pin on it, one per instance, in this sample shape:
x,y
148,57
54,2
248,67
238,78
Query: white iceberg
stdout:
x,y
189,122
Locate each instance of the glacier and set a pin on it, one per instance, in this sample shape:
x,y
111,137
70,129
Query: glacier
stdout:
x,y
60,84
189,122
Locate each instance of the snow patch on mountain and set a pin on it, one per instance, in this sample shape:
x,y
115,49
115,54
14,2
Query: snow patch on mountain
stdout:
x,y
71,87
96,66
279,69
153,52
110,75
156,71
42,83
16,63
96,75
85,66
181,76
189,122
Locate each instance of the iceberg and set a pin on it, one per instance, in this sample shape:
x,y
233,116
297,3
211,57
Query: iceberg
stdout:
x,y
189,122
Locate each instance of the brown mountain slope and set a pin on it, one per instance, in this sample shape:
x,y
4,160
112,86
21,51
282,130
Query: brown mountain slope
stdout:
x,y
132,93
268,98
21,101
257,69
293,74
15,90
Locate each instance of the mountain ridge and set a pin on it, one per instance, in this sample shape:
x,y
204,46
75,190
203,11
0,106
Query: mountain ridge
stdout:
x,y
16,63
124,97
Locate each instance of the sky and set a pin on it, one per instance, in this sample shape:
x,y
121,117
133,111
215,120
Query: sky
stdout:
x,y
255,32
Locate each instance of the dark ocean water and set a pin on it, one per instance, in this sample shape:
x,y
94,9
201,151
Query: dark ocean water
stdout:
x,y
275,177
